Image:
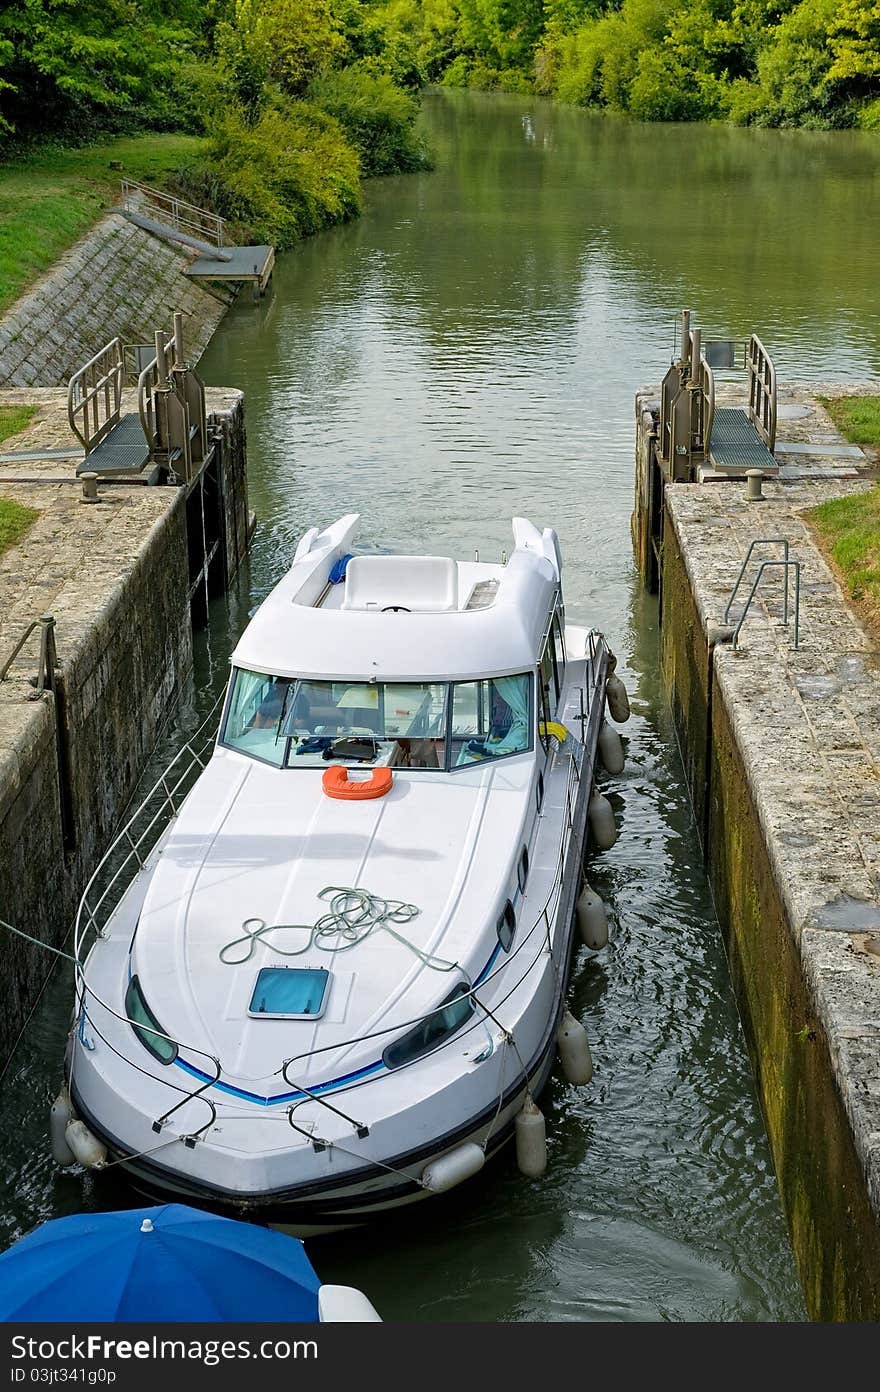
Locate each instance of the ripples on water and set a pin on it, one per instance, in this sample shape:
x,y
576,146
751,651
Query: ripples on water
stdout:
x,y
469,350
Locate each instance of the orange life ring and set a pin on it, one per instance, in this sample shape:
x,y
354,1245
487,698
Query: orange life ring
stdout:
x,y
336,783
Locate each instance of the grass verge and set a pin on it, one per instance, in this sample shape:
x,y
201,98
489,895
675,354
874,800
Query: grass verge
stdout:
x,y
15,419
848,529
14,522
856,417
51,198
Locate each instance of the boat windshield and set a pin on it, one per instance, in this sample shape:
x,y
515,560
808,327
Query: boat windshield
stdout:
x,y
293,722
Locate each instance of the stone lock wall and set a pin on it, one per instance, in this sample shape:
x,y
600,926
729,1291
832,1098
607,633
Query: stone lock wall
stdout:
x,y
834,1230
124,640
811,1053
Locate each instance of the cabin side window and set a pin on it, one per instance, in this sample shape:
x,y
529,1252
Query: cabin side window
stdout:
x,y
434,1030
253,715
491,718
146,1026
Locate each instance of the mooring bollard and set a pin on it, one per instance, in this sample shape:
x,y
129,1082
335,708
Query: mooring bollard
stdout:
x,y
90,488
754,479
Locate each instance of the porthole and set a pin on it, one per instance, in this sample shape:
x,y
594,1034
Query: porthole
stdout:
x,y
506,926
522,870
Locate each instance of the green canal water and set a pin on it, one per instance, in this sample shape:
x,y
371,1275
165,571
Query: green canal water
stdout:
x,y
467,351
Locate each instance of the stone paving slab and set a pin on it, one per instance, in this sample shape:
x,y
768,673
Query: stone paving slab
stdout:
x,y
807,724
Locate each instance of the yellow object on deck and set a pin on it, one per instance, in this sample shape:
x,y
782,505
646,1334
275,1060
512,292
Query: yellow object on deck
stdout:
x,y
554,728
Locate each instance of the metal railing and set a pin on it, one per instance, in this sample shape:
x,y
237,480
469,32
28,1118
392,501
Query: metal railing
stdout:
x,y
174,212
94,395
687,393
762,391
787,564
171,405
47,660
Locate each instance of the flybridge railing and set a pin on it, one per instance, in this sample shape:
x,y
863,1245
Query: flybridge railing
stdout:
x,y
131,850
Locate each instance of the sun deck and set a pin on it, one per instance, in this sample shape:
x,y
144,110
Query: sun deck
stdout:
x,y
336,615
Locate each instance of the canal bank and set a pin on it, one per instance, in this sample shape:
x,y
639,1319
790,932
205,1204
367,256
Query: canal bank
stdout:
x,y
87,689
119,280
781,748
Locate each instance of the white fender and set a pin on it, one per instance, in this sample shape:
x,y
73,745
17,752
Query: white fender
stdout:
x,y
611,749
592,920
451,1169
602,823
86,1147
60,1114
574,1050
531,1140
345,1305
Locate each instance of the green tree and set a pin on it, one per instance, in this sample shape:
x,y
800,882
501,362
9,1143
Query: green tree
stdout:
x,y
283,42
64,62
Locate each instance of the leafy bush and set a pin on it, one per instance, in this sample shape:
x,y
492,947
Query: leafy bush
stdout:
x,y
377,116
277,43
290,173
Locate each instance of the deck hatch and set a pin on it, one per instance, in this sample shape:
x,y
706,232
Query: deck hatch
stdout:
x,y
290,993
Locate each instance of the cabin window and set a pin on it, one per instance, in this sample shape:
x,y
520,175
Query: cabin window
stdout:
x,y
146,1026
506,926
254,713
490,718
293,722
548,679
434,1030
547,694
522,870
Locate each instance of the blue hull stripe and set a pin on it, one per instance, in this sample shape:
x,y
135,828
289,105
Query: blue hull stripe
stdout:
x,y
359,1073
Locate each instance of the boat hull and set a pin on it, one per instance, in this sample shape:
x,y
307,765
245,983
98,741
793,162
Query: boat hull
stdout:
x,y
326,1200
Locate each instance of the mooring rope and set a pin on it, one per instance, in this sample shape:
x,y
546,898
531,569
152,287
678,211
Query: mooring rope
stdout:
x,y
354,914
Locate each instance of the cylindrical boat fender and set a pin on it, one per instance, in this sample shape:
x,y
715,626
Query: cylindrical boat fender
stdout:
x,y
574,1050
451,1169
611,749
592,920
345,1305
531,1140
616,699
86,1147
602,823
60,1114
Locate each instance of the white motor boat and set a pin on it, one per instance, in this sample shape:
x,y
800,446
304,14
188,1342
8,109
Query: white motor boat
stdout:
x,y
338,973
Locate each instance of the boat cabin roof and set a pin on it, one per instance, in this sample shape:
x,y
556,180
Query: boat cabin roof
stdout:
x,y
403,617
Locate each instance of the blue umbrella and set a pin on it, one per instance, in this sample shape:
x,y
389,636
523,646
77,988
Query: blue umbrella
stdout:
x,y
167,1263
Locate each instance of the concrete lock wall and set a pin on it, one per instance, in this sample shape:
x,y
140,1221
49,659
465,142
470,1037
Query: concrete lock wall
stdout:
x,y
124,657
821,1175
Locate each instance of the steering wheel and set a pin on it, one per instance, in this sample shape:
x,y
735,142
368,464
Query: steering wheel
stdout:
x,y
396,609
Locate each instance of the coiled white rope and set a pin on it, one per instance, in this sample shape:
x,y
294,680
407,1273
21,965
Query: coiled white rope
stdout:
x,y
353,915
